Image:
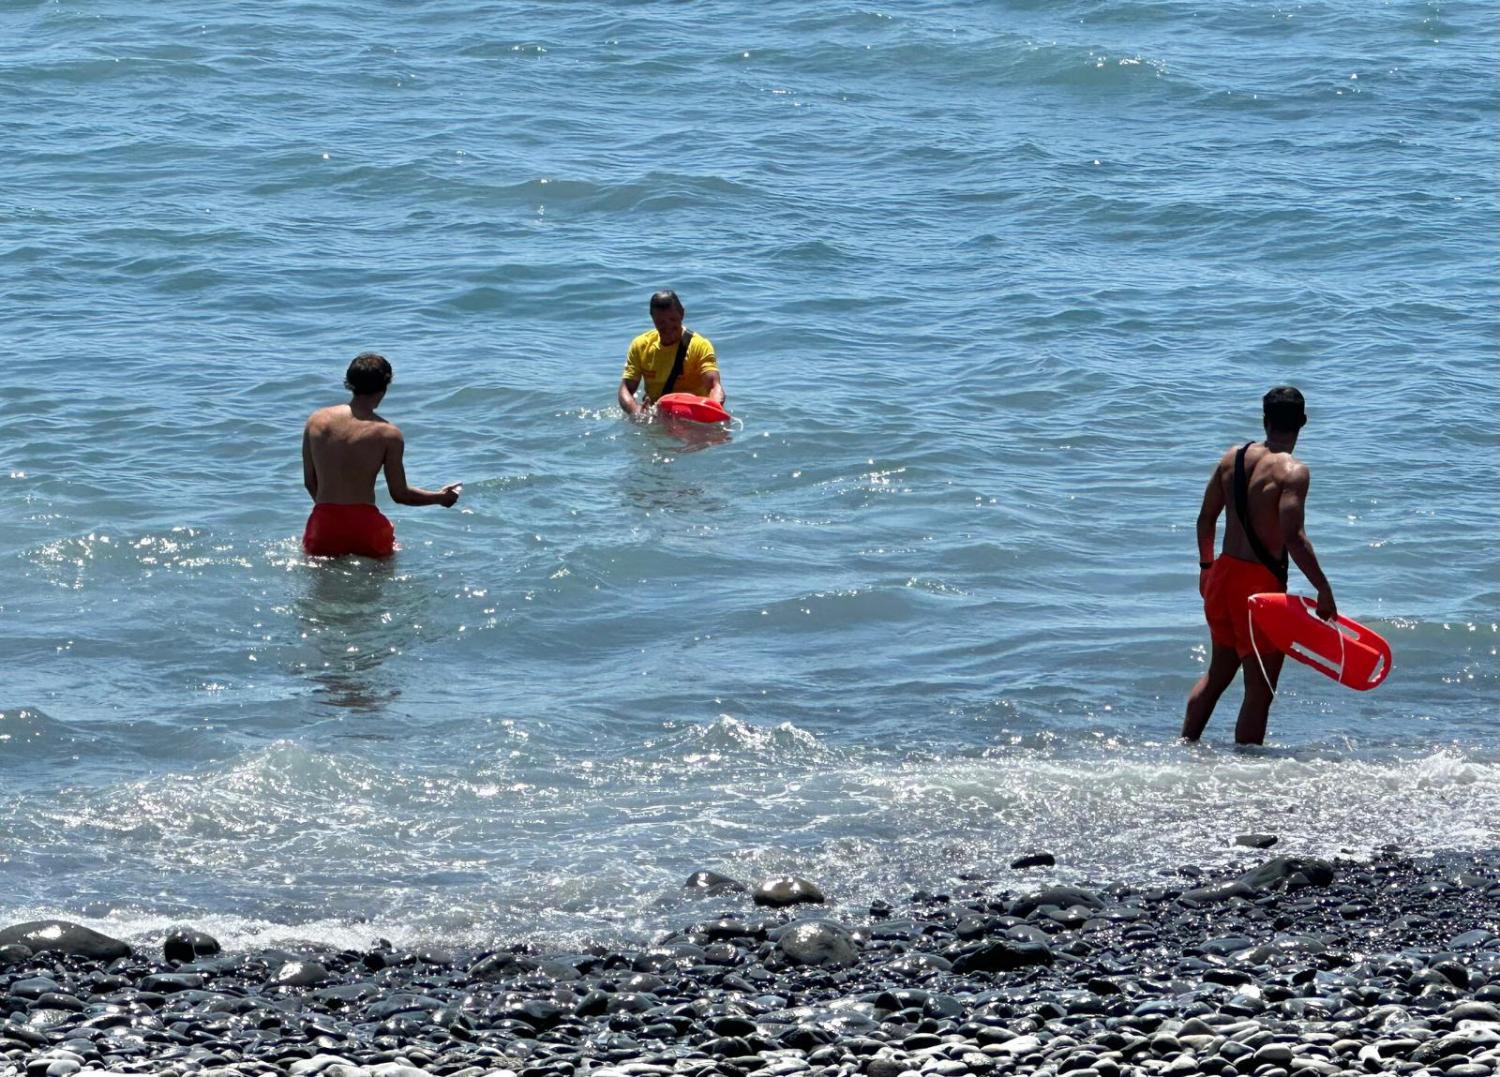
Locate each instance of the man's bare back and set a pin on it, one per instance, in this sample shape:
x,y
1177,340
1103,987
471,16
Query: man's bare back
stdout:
x,y
347,453
1272,478
344,449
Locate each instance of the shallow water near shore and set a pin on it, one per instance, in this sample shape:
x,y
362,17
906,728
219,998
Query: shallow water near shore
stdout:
x,y
991,286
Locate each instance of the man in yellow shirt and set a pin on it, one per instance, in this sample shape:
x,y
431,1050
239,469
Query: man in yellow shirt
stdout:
x,y
670,359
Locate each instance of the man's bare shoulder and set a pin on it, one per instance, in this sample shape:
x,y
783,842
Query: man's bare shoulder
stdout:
x,y
340,419
325,417
1290,471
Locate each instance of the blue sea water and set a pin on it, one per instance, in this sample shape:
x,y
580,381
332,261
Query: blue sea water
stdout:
x,y
991,284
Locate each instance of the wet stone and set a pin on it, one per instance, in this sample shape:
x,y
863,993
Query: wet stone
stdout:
x,y
1256,841
787,890
1062,897
1037,859
183,944
172,982
819,942
299,974
712,884
33,987
64,937
1470,939
1001,956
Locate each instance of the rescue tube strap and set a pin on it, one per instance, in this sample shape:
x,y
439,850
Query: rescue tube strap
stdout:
x,y
1242,510
682,350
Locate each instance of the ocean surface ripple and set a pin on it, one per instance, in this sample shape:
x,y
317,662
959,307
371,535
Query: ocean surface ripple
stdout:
x,y
991,286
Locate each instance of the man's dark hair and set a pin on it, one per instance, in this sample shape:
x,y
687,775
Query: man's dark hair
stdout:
x,y
368,374
665,298
1284,409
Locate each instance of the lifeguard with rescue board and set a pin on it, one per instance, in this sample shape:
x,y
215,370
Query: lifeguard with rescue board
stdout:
x,y
1263,489
678,367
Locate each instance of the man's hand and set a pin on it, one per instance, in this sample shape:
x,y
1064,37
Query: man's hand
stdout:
x,y
1203,583
448,495
1326,608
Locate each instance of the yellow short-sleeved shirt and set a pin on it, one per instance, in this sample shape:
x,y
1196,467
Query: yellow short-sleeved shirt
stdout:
x,y
649,360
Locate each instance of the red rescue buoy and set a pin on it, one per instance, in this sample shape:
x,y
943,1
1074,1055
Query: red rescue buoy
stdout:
x,y
1342,649
698,409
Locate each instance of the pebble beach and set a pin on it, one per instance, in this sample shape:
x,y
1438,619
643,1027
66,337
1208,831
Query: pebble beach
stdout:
x,y
1296,966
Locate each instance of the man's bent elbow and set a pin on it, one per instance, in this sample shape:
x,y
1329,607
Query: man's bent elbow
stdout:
x,y
1297,544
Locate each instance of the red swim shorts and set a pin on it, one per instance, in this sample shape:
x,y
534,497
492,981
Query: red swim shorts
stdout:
x,y
1226,601
336,530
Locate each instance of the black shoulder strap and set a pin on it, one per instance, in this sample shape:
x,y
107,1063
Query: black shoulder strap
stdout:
x,y
1242,510
682,350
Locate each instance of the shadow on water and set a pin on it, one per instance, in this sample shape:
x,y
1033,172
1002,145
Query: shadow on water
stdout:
x,y
346,618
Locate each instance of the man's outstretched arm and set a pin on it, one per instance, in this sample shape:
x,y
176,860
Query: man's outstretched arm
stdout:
x,y
403,494
715,386
1290,513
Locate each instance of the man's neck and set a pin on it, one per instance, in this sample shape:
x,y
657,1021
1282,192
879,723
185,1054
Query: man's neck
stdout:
x,y
363,407
1279,442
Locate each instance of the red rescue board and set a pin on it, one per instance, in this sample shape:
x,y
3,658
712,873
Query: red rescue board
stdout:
x,y
1342,649
699,409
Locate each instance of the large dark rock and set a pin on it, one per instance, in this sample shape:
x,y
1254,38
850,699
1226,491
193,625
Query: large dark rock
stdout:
x,y
184,944
64,937
787,890
819,942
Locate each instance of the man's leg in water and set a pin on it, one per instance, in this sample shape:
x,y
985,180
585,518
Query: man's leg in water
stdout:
x,y
1251,727
1223,664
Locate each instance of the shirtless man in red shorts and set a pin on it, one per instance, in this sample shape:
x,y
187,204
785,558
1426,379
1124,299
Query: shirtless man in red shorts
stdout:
x,y
344,448
1264,484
